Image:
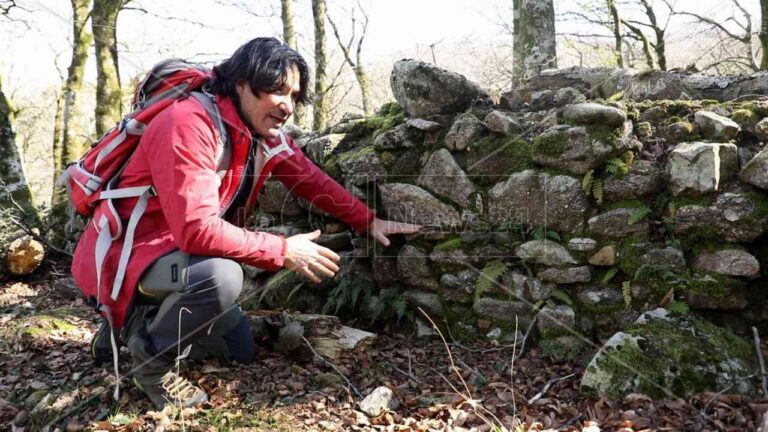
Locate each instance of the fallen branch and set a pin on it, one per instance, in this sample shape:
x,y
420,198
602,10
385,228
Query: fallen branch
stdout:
x,y
760,359
409,375
525,337
547,386
334,367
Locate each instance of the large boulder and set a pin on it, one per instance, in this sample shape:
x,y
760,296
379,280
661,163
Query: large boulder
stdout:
x,y
733,216
665,356
443,176
408,203
729,262
696,168
578,149
539,199
424,89
616,224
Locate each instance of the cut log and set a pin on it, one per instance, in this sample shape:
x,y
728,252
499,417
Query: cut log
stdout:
x,y
328,337
24,255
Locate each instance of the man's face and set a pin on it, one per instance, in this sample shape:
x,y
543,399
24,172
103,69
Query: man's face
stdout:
x,y
266,113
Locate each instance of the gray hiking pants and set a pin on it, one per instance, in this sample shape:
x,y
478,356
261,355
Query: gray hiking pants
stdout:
x,y
192,301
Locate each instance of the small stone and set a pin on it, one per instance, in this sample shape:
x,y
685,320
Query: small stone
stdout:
x,y
697,168
615,224
731,262
423,125
566,275
377,402
499,122
483,324
582,244
716,127
761,130
463,133
544,252
443,176
592,113
424,329
556,318
494,334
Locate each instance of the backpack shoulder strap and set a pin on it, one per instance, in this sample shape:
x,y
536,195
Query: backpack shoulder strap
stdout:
x,y
208,102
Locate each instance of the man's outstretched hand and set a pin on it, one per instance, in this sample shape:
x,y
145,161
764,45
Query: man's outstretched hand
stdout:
x,y
379,229
309,259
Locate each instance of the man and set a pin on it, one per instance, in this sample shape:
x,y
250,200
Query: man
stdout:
x,y
185,266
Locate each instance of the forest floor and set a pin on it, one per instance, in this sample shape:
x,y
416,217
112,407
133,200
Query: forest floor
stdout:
x,y
48,382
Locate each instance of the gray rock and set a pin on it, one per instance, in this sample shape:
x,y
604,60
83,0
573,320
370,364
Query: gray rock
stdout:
x,y
600,295
656,354
451,260
654,114
384,270
581,244
542,100
462,282
566,275
698,168
731,262
679,132
717,294
524,287
360,166
408,203
605,257
428,301
738,217
397,137
544,252
559,318
615,224
755,172
592,113
464,131
539,199
275,198
500,310
761,130
335,241
499,122
378,402
443,176
578,149
644,178
424,89
424,330
317,148
423,125
567,96
494,334
413,268
716,127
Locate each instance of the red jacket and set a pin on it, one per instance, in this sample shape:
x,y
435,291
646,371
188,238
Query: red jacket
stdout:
x,y
177,154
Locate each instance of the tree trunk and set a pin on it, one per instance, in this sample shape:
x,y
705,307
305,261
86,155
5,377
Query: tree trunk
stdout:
x,y
320,120
534,37
289,37
764,33
660,46
365,89
72,141
13,185
108,94
616,33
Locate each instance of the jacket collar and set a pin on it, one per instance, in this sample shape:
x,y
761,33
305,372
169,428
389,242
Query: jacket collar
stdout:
x,y
230,116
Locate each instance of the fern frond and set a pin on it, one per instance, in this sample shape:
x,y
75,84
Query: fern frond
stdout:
x,y
639,214
586,181
610,274
678,307
597,191
489,275
563,297
626,291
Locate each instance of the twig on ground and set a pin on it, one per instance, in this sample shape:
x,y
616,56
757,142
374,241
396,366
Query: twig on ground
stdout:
x,y
525,337
721,392
512,371
333,366
409,375
547,386
764,378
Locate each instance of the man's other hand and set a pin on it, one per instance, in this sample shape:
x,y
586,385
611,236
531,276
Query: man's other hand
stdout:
x,y
379,229
308,258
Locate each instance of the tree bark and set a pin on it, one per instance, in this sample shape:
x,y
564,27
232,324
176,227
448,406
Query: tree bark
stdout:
x,y
763,35
289,37
357,63
16,201
72,142
534,37
616,32
108,94
660,46
320,120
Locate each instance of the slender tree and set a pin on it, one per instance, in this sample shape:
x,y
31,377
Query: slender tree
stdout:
x,y
356,63
616,27
764,33
534,37
108,94
320,120
289,37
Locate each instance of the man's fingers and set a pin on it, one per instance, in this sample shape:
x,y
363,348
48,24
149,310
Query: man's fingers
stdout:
x,y
404,228
307,273
320,268
327,263
327,253
381,238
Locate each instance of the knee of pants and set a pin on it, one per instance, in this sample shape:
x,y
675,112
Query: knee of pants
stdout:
x,y
223,274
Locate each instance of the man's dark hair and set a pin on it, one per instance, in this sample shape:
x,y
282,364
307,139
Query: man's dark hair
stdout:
x,y
261,63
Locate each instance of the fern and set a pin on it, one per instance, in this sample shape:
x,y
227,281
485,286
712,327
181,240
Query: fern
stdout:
x,y
639,214
543,233
678,307
563,297
489,275
629,158
626,291
586,181
597,190
610,274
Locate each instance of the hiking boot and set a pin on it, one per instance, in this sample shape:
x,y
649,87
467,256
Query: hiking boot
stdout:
x,y
101,346
153,374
